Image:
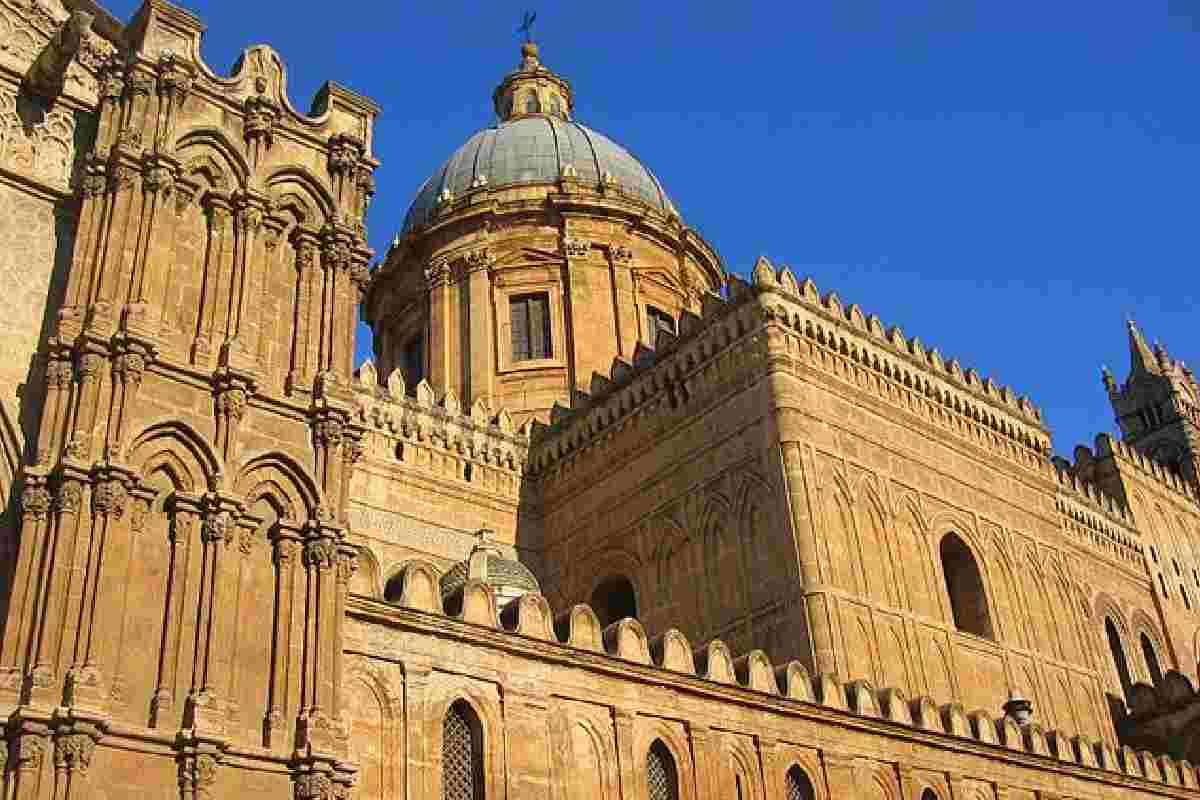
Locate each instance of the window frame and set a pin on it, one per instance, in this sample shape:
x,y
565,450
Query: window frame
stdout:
x,y
502,309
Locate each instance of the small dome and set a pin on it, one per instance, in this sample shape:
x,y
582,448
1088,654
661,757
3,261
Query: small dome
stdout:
x,y
536,149
508,577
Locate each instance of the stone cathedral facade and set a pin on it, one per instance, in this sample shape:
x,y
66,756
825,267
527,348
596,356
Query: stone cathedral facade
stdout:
x,y
600,519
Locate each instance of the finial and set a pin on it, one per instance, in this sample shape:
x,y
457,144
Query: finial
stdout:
x,y
1110,382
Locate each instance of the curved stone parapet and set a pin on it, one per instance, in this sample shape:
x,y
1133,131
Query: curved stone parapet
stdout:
x,y
626,639
671,650
579,627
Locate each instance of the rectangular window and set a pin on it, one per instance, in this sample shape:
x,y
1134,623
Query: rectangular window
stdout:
x,y
413,361
530,318
658,320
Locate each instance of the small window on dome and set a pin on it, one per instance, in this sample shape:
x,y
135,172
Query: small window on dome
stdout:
x,y
532,106
555,105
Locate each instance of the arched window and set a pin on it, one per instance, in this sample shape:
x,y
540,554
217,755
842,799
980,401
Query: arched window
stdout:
x,y
394,588
614,599
1151,660
662,778
1118,656
799,787
462,754
968,602
929,794
532,106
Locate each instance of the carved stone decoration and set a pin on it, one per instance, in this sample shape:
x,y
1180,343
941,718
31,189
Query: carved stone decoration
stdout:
x,y
130,367
215,528
158,178
344,153
575,248
479,259
109,498
314,786
43,150
48,74
73,752
621,254
35,502
320,553
246,541
347,566
198,774
175,77
70,497
327,433
261,114
231,403
59,373
30,751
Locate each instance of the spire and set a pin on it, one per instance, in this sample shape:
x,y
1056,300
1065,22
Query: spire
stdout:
x,y
1141,358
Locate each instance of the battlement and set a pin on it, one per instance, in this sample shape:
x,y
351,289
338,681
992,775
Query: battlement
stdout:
x,y
624,649
1106,446
477,435
843,342
1094,517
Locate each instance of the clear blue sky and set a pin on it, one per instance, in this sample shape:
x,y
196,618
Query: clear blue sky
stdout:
x,y
1006,180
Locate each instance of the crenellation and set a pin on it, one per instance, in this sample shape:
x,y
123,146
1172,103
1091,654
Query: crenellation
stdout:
x,y
591,494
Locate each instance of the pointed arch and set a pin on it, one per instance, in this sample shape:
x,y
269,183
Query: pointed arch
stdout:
x,y
298,181
279,474
176,447
797,784
205,141
965,588
871,526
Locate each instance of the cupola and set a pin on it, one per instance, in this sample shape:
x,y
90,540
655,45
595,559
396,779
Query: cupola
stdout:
x,y
532,90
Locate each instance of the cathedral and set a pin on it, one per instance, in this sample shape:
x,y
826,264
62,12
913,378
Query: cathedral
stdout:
x,y
599,519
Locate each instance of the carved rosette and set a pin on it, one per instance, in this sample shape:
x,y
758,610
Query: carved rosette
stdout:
x,y
35,503
73,752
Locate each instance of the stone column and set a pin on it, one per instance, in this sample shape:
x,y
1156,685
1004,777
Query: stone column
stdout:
x,y
417,728
804,532
441,328
705,761
628,772
307,312
285,546
35,515
527,740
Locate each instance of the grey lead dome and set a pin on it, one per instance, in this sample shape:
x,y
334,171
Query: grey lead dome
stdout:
x,y
535,149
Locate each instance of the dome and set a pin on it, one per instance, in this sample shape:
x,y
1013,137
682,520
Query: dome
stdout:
x,y
508,577
536,149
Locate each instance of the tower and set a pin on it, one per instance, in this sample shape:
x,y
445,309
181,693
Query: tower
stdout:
x,y
536,254
1158,406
